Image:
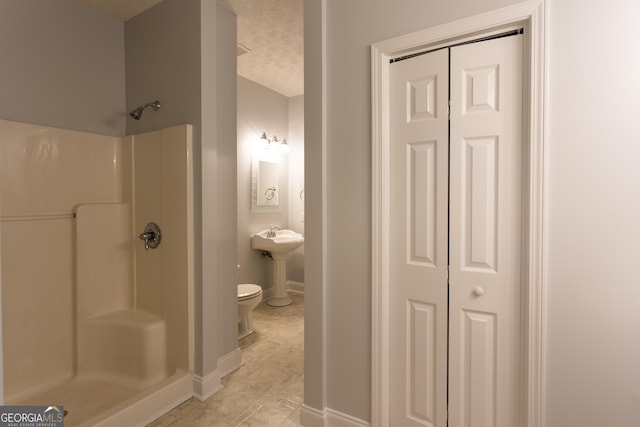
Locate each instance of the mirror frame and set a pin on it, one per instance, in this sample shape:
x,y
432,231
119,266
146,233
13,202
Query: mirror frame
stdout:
x,y
255,177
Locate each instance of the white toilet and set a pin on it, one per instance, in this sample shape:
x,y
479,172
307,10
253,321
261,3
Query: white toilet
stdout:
x,y
249,296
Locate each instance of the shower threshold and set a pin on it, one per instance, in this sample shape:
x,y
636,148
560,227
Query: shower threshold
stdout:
x,y
100,403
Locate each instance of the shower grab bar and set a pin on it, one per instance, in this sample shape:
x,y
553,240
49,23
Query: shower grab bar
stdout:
x,y
37,217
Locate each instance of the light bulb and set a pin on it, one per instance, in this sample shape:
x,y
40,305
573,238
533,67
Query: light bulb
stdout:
x,y
284,147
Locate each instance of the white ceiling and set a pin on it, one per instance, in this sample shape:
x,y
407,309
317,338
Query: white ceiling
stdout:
x,y
272,30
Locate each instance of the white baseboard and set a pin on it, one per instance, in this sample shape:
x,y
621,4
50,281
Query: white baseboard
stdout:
x,y
229,362
338,419
295,287
312,417
207,386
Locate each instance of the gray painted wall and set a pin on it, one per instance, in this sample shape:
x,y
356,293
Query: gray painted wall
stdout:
x,y
62,66
314,164
162,57
593,320
593,205
218,304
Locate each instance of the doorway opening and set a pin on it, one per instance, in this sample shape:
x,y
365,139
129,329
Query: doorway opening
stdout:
x,y
270,191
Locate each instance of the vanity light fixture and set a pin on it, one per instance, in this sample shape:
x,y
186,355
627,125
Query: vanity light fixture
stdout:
x,y
265,142
284,147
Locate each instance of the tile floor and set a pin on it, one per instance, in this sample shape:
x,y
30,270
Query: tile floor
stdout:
x,y
268,389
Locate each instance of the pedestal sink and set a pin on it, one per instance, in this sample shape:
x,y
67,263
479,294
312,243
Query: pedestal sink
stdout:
x,y
279,243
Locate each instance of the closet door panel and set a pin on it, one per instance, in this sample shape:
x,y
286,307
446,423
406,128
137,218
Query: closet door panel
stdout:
x,y
485,233
418,234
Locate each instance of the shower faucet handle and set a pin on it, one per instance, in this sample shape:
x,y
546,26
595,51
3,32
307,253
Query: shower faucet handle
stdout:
x,y
151,236
148,236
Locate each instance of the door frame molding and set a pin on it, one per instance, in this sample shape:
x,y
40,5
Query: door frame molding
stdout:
x,y
531,15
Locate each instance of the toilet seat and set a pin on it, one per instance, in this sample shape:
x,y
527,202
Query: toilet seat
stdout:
x,y
248,291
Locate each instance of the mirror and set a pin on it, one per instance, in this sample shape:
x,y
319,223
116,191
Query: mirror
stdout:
x,y
268,183
265,186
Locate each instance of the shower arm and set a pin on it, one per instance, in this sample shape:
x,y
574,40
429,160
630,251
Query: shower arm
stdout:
x,y
137,113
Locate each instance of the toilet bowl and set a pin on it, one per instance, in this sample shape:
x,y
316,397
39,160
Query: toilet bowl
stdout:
x,y
249,296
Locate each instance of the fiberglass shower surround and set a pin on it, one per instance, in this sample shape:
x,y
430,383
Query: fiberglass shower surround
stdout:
x,y
112,316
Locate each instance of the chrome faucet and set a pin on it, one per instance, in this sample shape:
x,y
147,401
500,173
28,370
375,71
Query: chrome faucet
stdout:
x,y
272,232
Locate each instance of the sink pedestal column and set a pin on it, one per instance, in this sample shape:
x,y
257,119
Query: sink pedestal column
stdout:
x,y
280,297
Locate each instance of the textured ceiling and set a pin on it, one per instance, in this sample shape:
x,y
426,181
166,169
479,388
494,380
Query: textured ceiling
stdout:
x,y
272,31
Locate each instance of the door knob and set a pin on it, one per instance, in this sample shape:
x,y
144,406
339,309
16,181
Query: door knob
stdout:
x,y
478,291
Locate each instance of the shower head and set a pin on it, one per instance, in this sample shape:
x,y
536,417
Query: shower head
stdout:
x,y
137,113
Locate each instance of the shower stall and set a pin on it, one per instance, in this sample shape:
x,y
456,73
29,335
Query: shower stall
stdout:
x,y
93,318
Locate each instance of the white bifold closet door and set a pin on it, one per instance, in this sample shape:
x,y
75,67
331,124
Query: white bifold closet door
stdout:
x,y
456,236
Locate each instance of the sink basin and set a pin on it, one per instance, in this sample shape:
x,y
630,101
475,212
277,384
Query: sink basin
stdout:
x,y
284,241
279,245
